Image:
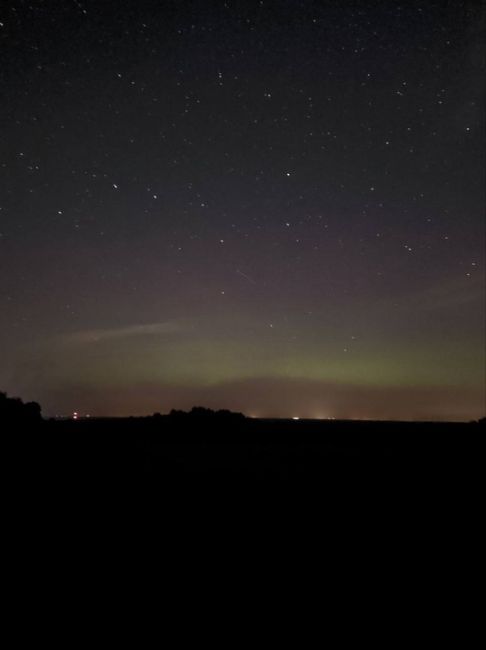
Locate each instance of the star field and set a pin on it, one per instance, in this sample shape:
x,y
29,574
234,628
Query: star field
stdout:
x,y
273,207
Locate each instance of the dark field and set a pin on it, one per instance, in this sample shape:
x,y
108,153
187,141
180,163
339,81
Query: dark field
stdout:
x,y
296,498
146,453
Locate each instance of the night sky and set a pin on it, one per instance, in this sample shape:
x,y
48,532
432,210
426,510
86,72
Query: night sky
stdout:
x,y
271,207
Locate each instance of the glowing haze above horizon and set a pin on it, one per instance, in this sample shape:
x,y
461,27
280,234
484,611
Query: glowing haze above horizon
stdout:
x,y
270,207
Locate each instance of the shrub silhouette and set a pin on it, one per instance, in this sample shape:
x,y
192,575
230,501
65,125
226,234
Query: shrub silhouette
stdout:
x,y
202,413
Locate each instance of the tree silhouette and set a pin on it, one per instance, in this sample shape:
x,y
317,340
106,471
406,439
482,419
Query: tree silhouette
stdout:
x,y
13,409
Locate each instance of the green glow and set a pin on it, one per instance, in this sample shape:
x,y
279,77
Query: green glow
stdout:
x,y
207,362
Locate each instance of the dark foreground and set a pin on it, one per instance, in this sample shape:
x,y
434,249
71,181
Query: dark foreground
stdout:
x,y
346,509
138,454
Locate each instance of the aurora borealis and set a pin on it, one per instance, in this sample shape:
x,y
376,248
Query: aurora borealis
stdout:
x,y
271,207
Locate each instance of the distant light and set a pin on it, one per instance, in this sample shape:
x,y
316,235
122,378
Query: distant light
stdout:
x,y
295,418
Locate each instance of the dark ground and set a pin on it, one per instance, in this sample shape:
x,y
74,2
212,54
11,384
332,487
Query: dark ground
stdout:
x,y
378,522
140,456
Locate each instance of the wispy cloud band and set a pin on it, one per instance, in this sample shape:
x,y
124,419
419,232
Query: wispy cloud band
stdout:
x,y
148,329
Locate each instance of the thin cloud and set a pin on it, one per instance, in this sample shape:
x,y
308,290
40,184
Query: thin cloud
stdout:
x,y
149,329
453,293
